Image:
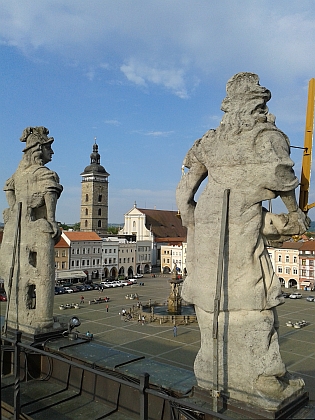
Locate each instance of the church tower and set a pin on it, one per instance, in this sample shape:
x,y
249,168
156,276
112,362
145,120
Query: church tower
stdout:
x,y
94,196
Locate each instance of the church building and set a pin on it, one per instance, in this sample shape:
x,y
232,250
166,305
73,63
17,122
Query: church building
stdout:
x,y
94,196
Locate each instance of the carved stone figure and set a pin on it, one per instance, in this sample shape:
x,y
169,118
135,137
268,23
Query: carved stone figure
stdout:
x,y
250,156
37,188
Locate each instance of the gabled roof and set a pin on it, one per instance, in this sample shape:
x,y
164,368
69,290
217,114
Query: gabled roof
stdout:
x,y
82,236
164,223
62,244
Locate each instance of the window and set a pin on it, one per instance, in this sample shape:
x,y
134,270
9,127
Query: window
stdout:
x,y
99,212
311,263
311,273
279,258
105,260
63,253
77,263
279,269
295,259
93,262
57,265
303,262
99,223
124,260
110,260
119,260
86,197
133,224
72,252
85,223
86,212
98,262
295,271
57,254
83,262
78,251
114,260
304,273
100,198
72,263
287,258
110,250
87,262
287,270
83,251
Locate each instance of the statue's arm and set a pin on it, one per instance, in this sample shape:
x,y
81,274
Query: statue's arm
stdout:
x,y
51,203
188,186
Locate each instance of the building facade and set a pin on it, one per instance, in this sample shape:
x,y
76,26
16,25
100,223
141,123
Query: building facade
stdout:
x,y
94,196
85,253
110,247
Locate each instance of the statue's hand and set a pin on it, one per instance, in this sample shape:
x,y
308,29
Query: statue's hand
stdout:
x,y
300,220
56,231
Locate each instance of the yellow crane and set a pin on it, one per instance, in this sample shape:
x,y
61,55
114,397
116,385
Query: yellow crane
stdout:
x,y
307,155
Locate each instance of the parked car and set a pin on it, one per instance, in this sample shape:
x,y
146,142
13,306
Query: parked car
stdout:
x,y
75,288
68,289
295,295
133,281
138,276
3,297
59,290
310,298
285,295
96,286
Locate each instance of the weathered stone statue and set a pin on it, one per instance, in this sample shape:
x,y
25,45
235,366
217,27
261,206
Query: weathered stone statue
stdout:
x,y
250,156
37,188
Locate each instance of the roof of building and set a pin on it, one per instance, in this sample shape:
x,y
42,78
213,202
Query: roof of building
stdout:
x,y
82,236
164,223
291,245
308,246
62,244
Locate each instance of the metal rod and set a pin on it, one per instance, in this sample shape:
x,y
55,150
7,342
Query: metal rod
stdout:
x,y
17,365
217,299
144,383
15,243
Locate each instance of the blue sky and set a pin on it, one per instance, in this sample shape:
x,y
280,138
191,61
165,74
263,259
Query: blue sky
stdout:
x,y
146,78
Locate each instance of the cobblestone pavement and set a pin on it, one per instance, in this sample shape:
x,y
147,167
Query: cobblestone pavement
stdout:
x,y
157,342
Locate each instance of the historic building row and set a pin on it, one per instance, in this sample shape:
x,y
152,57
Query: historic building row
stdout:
x,y
294,263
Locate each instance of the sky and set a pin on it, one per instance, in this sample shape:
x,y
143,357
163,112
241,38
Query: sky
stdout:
x,y
146,78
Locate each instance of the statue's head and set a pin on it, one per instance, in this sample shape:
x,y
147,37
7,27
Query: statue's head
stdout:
x,y
38,144
247,100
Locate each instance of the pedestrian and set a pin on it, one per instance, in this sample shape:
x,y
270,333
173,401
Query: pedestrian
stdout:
x,y
106,308
175,331
81,300
143,319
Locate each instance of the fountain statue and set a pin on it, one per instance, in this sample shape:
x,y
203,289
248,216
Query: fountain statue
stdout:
x,y
174,301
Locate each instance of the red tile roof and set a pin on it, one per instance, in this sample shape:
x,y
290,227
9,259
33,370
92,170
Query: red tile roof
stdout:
x,y
62,244
82,236
164,223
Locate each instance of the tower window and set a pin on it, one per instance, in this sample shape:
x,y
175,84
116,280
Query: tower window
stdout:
x,y
100,212
100,198
86,212
99,223
85,223
86,197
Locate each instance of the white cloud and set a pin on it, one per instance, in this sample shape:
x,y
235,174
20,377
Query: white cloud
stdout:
x,y
154,133
112,122
142,74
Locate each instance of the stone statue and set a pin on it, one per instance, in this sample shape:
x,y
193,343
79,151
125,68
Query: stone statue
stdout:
x,y
37,188
250,156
